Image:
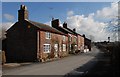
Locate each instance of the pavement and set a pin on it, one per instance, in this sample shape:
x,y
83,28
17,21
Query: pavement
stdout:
x,y
59,67
13,65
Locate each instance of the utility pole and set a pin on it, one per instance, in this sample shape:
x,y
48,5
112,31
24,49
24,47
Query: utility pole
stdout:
x,y
108,39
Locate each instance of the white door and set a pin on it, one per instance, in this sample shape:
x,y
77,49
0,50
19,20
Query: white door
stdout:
x,y
56,50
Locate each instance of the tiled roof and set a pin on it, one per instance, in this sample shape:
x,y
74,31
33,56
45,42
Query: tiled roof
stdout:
x,y
72,31
45,27
65,30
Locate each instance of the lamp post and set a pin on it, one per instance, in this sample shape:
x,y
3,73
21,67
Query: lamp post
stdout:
x,y
108,39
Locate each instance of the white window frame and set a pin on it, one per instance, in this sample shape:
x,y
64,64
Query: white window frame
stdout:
x,y
70,37
75,39
64,38
48,35
47,48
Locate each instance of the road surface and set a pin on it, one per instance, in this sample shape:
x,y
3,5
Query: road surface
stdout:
x,y
59,67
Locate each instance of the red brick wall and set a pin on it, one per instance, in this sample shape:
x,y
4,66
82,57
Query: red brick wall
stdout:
x,y
82,41
59,39
55,39
43,41
79,42
65,53
73,39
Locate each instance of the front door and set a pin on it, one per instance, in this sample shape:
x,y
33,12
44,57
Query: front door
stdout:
x,y
56,50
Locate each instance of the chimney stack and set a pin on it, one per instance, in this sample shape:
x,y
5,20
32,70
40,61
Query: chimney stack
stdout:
x,y
55,23
65,25
83,35
22,13
52,18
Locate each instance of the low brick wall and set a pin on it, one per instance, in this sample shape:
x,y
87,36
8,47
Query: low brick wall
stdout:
x,y
2,57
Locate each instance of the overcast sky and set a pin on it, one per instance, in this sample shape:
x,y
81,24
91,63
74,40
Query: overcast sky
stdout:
x,y
89,18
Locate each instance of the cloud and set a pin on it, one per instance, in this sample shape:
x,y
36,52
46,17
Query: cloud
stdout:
x,y
108,12
5,26
48,23
8,17
87,26
91,26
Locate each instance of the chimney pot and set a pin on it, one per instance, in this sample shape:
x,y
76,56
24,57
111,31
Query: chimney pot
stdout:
x,y
23,7
65,25
83,35
74,30
52,18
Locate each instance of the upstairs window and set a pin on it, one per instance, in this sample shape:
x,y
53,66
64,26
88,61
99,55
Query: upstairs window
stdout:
x,y
48,35
64,38
70,38
75,39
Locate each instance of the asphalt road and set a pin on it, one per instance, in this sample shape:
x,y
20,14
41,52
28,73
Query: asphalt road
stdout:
x,y
59,67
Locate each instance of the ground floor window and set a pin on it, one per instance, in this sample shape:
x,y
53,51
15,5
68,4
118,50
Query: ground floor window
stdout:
x,y
47,48
64,47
